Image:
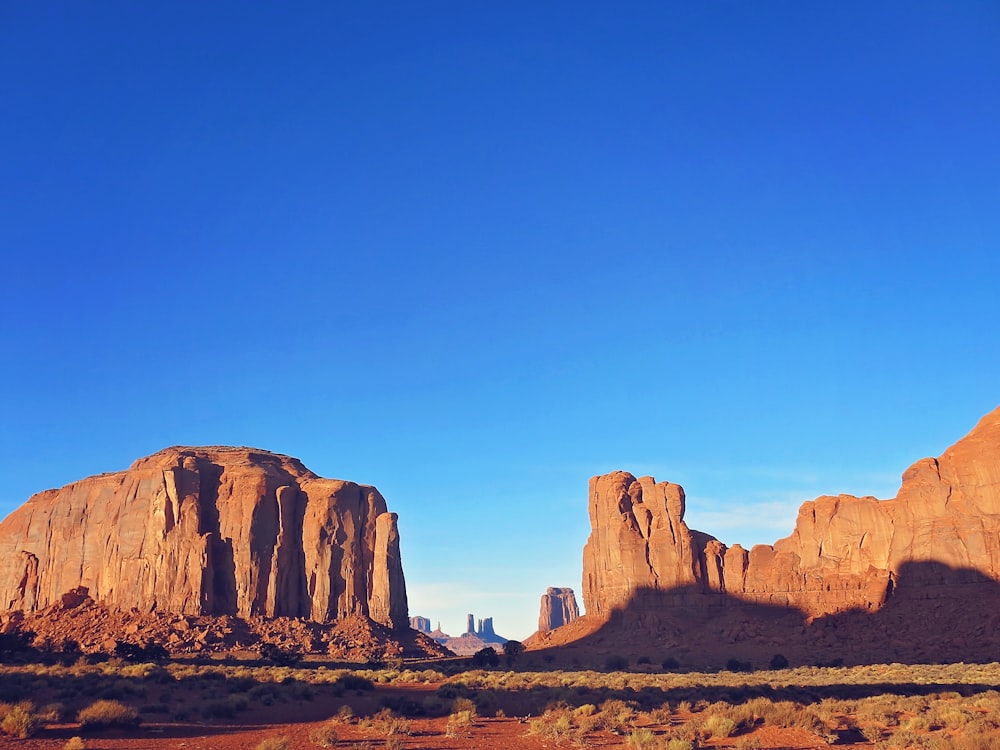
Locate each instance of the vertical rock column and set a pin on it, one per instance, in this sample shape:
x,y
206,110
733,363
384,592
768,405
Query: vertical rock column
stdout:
x,y
387,603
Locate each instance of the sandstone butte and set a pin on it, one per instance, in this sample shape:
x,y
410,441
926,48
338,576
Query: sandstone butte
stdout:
x,y
558,608
209,531
939,538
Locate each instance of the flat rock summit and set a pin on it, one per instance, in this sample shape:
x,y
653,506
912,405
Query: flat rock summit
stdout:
x,y
913,577
208,531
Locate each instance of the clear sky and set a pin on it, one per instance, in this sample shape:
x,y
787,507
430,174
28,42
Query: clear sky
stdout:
x,y
475,254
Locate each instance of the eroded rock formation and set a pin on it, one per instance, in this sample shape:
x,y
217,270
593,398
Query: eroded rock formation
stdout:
x,y
845,552
558,608
420,624
475,637
209,531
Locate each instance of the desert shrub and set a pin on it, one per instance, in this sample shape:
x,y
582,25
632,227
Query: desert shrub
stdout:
x,y
975,741
747,743
719,726
218,710
105,713
670,663
74,743
278,656
463,704
324,736
459,722
6,707
641,739
300,691
353,682
616,715
387,723
51,713
394,743
512,650
486,657
129,651
678,744
616,663
404,706
587,709
872,733
434,706
554,725
917,724
662,715
345,714
273,743
263,694
904,739
778,661
878,710
20,721
949,717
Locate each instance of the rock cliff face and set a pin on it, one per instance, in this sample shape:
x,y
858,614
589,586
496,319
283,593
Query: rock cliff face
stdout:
x,y
558,608
209,531
845,553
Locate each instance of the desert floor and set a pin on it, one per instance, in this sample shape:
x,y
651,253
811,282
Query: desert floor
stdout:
x,y
223,707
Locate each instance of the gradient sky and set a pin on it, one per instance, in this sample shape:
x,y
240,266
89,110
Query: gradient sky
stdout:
x,y
475,254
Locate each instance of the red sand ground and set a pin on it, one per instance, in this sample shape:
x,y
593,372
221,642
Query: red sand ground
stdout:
x,y
297,719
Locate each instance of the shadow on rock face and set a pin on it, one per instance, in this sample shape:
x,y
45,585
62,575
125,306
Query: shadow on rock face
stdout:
x,y
932,613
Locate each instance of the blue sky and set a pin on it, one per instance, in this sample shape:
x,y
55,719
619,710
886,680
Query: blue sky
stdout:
x,y
475,254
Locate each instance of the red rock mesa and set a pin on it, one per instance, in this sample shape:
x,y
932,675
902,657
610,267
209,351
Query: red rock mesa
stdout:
x,y
209,531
